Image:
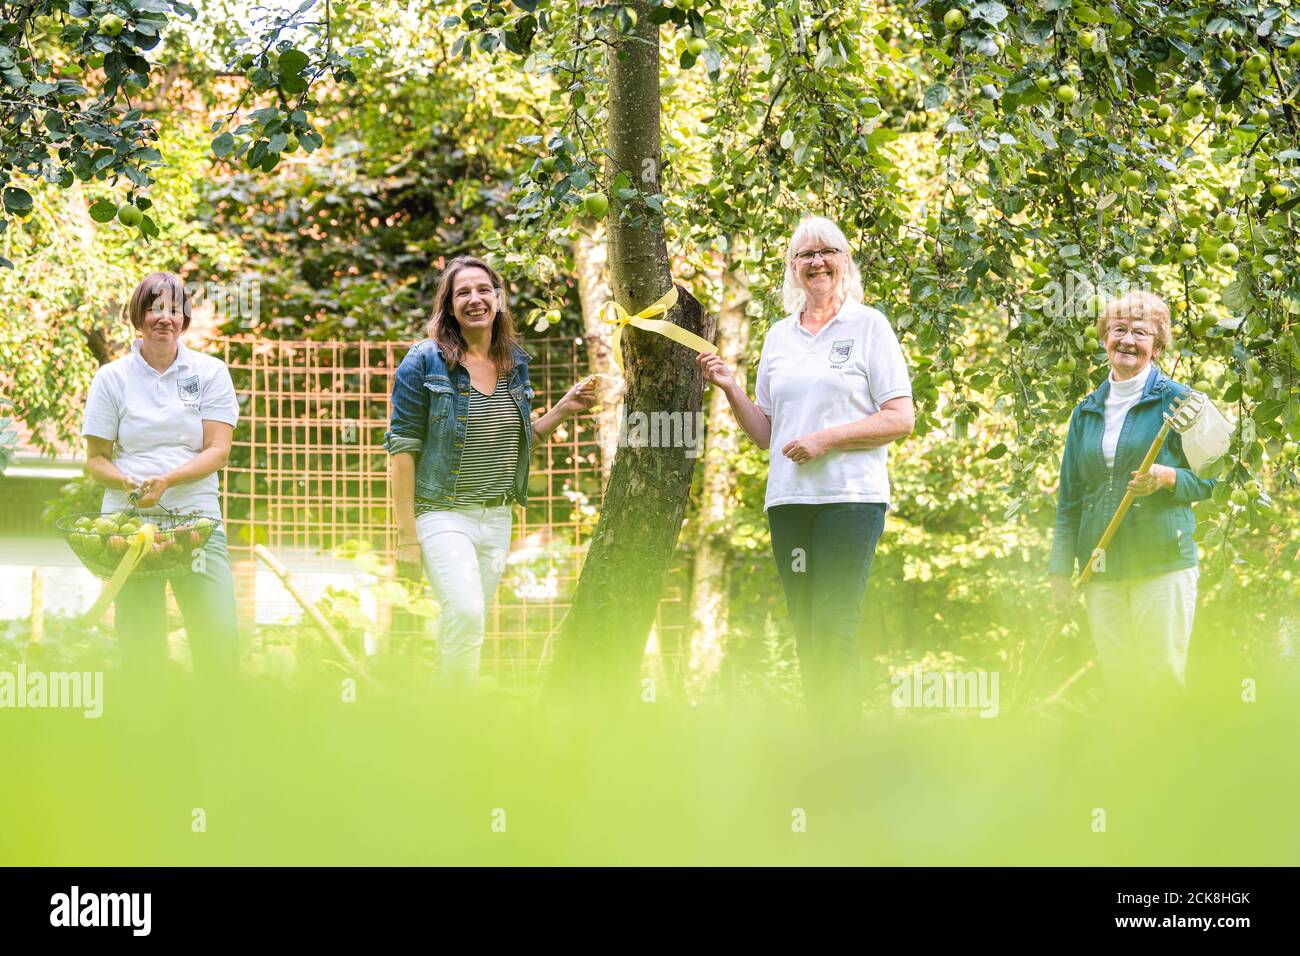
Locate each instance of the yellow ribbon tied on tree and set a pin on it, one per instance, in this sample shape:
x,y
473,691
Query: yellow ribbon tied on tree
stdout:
x,y
618,316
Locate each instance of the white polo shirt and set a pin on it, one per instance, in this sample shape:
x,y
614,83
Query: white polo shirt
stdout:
x,y
156,421
809,382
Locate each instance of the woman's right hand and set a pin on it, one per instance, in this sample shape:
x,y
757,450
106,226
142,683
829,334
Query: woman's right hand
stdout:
x,y
715,370
1062,594
410,561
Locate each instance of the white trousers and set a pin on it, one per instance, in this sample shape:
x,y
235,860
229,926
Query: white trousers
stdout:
x,y
465,551
1142,628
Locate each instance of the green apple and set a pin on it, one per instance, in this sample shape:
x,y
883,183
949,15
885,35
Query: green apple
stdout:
x,y
1240,498
1196,92
1229,253
1043,83
1087,39
1133,178
110,24
954,20
1260,117
1255,63
1279,191
696,45
596,205
1225,222
1128,263
129,216
1187,251
1066,93
1162,195
1277,275
1201,295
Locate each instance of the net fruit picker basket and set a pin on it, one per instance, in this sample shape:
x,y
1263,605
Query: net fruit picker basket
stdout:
x,y
165,541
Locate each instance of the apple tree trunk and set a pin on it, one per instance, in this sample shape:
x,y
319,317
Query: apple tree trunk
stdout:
x,y
601,641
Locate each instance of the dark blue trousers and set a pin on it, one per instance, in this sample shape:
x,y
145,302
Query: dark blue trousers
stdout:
x,y
823,554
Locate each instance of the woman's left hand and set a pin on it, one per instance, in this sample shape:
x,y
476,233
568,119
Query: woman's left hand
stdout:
x,y
1160,476
806,447
580,398
151,490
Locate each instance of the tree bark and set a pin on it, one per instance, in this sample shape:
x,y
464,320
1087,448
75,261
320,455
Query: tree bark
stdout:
x,y
602,639
591,263
711,573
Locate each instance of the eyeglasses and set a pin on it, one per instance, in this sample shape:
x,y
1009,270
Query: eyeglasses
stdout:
x,y
1139,335
808,255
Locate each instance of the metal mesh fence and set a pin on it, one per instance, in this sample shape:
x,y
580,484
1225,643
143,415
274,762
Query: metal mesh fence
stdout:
x,y
308,478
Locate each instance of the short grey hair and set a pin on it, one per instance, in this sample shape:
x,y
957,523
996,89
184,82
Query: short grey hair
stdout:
x,y
818,229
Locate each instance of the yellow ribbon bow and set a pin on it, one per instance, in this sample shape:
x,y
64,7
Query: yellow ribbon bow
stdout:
x,y
618,316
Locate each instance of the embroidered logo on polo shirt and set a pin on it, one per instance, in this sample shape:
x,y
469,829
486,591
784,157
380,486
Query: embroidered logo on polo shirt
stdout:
x,y
840,351
188,388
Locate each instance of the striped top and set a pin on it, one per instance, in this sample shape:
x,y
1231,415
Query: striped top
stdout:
x,y
492,436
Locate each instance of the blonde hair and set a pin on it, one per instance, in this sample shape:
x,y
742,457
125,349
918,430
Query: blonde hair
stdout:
x,y
1140,305
817,229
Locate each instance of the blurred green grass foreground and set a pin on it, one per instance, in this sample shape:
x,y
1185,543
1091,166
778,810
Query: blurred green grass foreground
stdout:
x,y
305,777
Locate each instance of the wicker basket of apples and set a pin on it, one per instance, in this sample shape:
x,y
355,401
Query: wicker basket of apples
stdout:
x,y
100,540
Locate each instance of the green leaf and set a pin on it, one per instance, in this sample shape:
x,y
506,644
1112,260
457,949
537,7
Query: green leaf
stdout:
x,y
223,144
935,96
17,201
292,62
102,210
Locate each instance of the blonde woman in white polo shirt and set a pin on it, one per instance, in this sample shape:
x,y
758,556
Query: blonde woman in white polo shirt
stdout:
x,y
159,423
832,393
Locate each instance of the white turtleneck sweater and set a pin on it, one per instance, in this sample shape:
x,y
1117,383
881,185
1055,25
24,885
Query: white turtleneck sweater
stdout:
x,y
1123,396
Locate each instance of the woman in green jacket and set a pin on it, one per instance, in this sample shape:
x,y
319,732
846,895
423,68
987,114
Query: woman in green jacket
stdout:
x,y
1141,598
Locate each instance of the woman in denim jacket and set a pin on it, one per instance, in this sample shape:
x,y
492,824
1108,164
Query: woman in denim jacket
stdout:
x,y
1141,599
459,439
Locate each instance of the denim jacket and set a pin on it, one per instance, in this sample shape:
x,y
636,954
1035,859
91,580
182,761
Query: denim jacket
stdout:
x,y
431,413
1155,536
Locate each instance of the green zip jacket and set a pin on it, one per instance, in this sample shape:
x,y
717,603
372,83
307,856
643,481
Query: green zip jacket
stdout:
x,y
1155,536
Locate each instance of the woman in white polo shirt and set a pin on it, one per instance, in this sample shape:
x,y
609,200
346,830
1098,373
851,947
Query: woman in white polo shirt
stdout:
x,y
832,393
159,423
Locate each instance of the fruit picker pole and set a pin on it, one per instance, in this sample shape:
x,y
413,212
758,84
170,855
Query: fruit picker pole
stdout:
x,y
139,544
310,609
1126,502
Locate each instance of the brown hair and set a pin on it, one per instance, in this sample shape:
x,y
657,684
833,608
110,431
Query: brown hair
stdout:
x,y
1138,305
158,290
444,329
